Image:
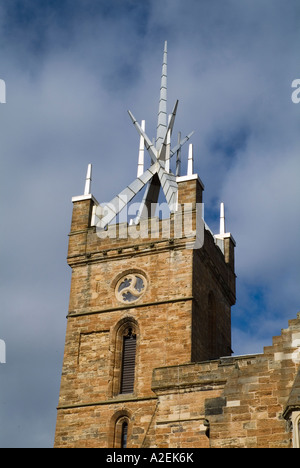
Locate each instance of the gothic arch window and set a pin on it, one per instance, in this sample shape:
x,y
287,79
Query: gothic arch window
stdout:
x,y
297,430
128,361
125,352
295,426
120,427
124,434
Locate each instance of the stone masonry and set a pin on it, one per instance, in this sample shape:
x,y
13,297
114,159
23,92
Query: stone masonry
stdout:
x,y
233,402
171,320
186,394
148,360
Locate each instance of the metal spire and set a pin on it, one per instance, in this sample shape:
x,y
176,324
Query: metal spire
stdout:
x,y
178,158
159,174
162,109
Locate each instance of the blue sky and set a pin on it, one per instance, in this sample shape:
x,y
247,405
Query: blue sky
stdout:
x,y
72,69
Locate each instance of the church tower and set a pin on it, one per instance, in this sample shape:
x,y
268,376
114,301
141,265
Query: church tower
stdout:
x,y
145,294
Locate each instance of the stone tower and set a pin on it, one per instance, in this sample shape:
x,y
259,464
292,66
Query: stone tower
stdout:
x,y
145,295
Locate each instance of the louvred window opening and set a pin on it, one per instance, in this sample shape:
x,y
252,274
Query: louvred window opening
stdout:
x,y
128,362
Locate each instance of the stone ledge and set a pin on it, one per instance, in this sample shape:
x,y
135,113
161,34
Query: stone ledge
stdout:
x,y
114,401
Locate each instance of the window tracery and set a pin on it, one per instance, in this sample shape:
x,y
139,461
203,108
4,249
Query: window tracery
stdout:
x,y
130,288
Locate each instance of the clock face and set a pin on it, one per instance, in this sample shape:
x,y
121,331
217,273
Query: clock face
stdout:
x,y
130,288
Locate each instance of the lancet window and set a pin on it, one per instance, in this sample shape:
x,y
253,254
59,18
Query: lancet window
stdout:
x,y
128,361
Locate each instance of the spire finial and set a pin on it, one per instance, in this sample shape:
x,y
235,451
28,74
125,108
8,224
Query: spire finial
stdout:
x,y
140,170
162,109
190,168
222,219
88,180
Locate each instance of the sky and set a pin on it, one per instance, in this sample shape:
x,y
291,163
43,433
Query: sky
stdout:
x,y
72,69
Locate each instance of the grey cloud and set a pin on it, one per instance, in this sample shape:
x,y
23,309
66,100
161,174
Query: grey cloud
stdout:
x,y
231,65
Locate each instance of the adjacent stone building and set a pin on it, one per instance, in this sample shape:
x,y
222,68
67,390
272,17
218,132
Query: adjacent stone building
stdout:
x,y
147,359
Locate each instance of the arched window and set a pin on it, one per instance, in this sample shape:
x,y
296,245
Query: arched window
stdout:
x,y
121,429
128,361
124,357
298,432
295,423
124,434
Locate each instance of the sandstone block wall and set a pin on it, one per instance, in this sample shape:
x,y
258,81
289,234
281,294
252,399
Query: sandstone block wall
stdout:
x,y
173,322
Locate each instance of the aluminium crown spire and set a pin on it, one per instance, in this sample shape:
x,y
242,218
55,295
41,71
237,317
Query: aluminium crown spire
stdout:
x,y
162,109
159,174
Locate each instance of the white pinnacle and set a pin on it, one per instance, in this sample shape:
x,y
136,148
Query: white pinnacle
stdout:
x,y
190,168
222,219
141,152
88,180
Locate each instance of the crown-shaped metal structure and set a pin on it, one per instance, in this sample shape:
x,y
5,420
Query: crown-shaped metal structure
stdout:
x,y
158,175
